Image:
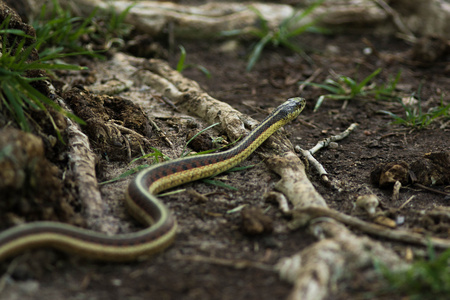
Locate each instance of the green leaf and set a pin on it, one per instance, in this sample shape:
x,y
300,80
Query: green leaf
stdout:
x,y
204,70
17,32
181,61
235,32
262,20
237,169
256,53
125,174
172,193
301,16
319,103
366,80
219,184
46,66
16,107
348,81
329,88
156,154
196,135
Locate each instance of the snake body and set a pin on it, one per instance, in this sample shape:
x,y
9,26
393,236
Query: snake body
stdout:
x,y
142,203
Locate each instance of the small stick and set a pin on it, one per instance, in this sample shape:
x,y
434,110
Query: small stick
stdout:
x,y
124,129
430,189
158,130
309,79
326,142
406,202
308,154
396,192
313,162
170,103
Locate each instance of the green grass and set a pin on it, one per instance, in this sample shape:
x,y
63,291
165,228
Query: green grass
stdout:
x,y
280,36
184,153
17,93
116,26
415,117
181,65
387,91
424,279
58,35
157,156
62,32
347,88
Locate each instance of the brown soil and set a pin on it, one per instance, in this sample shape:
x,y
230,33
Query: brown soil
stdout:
x,y
207,230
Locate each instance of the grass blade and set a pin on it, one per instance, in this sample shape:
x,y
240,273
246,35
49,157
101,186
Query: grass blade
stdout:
x,y
219,184
196,135
256,53
17,110
366,80
181,61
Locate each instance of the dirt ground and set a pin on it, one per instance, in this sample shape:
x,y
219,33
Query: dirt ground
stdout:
x,y
188,269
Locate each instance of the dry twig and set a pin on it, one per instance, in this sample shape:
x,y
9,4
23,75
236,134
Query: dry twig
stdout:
x,y
308,154
82,163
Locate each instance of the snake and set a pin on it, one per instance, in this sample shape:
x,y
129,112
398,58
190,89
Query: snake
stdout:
x,y
143,204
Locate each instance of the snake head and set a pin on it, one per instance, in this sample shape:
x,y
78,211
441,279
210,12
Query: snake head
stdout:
x,y
290,109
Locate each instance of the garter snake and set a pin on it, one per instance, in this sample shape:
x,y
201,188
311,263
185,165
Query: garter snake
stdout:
x,y
142,203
